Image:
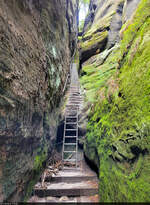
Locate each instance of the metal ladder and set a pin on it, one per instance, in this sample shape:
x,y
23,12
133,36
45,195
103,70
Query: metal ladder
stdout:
x,y
70,139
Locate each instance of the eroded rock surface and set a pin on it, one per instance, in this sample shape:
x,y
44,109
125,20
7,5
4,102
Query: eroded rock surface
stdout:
x,y
37,40
103,24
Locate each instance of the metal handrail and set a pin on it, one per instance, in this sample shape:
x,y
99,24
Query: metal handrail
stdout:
x,y
65,83
67,78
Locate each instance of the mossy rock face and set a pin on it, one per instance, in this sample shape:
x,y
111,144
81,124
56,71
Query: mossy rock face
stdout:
x,y
104,27
93,45
119,121
94,71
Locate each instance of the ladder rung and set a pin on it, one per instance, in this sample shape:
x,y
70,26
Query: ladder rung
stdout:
x,y
69,151
71,113
72,123
71,105
69,160
68,144
72,109
75,93
70,129
72,101
77,105
71,117
70,136
75,98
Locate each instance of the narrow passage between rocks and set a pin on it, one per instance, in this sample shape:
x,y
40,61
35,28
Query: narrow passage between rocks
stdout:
x,y
75,181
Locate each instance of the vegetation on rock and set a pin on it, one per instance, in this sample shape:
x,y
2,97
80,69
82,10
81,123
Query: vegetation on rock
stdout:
x,y
118,131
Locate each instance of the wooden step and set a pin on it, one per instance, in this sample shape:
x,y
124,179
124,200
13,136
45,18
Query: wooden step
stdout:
x,y
70,179
66,189
71,168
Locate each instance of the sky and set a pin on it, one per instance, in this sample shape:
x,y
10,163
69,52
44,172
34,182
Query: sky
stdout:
x,y
83,12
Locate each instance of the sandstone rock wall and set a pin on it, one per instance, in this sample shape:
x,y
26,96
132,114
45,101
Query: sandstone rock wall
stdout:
x,y
129,8
103,24
37,40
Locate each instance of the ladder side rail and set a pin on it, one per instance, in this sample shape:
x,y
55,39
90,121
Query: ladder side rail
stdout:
x,y
63,140
77,143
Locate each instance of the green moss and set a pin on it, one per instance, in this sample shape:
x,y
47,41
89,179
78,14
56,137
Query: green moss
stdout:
x,y
119,122
101,25
95,77
76,58
96,38
133,26
39,159
31,185
79,38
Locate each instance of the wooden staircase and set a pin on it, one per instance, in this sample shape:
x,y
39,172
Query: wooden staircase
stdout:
x,y
74,185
